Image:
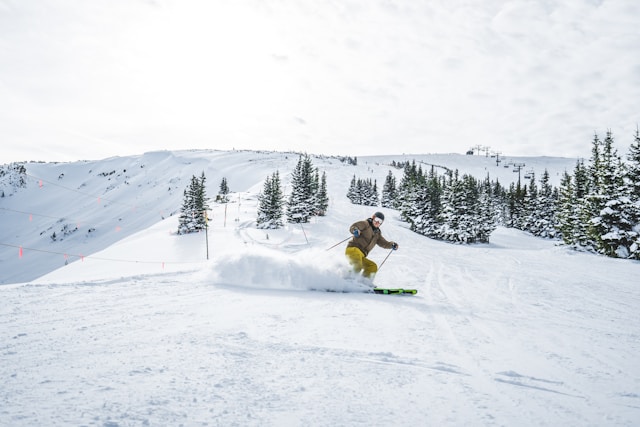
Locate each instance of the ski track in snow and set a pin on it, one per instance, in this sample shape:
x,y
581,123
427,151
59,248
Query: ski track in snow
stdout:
x,y
516,332
481,331
151,350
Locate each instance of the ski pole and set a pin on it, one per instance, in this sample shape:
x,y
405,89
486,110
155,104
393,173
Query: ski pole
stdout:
x,y
385,259
339,243
305,234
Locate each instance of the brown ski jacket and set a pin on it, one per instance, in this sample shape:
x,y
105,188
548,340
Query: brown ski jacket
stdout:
x,y
370,236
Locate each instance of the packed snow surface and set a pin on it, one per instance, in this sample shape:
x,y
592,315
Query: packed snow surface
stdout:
x,y
146,331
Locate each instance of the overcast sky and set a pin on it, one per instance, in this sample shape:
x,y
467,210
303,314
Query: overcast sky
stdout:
x,y
91,79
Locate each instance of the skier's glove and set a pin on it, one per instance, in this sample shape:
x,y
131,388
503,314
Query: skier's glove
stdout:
x,y
394,246
356,233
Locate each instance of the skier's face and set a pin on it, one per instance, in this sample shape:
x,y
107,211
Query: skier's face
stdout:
x,y
377,221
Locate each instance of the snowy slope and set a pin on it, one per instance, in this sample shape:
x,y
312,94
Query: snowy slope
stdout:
x,y
105,201
91,205
146,331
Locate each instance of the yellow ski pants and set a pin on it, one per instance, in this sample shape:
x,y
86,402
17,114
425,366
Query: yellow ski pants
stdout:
x,y
359,262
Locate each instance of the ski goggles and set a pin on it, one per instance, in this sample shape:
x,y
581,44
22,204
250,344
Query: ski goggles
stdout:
x,y
378,220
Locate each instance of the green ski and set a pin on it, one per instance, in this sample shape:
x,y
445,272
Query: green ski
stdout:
x,y
394,291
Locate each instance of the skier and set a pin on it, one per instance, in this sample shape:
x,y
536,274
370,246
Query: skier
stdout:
x,y
366,234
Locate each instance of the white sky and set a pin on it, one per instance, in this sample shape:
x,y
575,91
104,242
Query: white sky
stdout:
x,y
92,79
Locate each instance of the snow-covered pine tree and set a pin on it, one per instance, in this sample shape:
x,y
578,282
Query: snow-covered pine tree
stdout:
x,y
353,190
593,200
322,196
461,213
516,206
530,207
271,204
363,192
449,208
567,210
633,182
374,196
263,219
389,192
185,220
301,204
488,213
499,200
427,206
202,204
411,181
470,210
633,167
582,215
277,200
194,206
369,192
543,221
313,190
614,223
223,192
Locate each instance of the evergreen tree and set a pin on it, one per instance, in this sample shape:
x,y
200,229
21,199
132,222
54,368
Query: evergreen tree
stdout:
x,y
593,200
530,208
449,208
516,210
488,214
374,196
542,220
185,220
408,189
389,192
426,209
499,201
322,198
263,219
202,204
193,216
604,219
223,193
303,201
613,225
352,192
633,183
363,192
271,203
461,211
567,210
582,214
633,168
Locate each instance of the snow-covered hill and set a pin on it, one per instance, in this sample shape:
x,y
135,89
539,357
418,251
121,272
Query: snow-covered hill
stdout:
x,y
145,331
91,205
